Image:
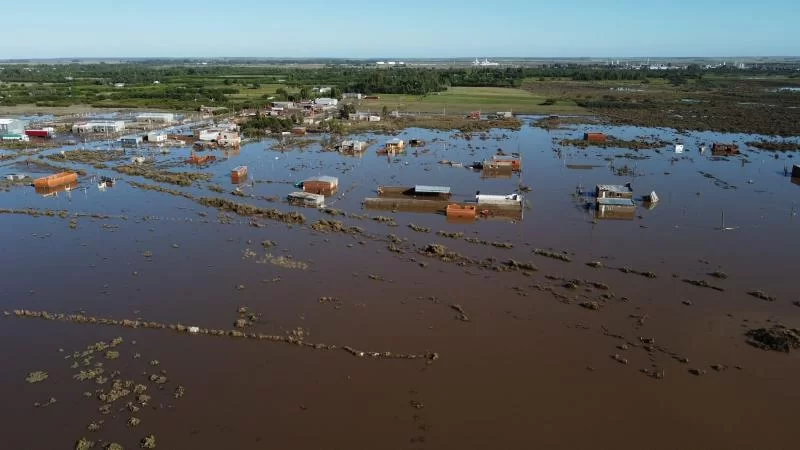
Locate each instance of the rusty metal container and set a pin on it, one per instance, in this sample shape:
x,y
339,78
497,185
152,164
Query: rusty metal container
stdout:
x,y
58,179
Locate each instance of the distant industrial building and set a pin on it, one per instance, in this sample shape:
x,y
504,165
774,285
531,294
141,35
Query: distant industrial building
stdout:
x,y
324,101
364,116
155,117
284,105
12,126
100,126
353,95
130,141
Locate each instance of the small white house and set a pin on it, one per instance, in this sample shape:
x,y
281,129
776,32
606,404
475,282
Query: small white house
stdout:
x,y
229,139
325,101
156,137
353,145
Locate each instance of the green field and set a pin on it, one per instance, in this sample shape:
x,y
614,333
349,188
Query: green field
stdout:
x,y
460,100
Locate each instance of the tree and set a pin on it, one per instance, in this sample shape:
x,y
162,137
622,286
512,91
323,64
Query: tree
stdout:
x,y
304,93
384,112
347,109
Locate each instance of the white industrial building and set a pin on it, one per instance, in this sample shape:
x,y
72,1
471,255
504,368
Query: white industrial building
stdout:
x,y
284,105
325,101
156,137
354,95
100,126
364,116
155,117
12,126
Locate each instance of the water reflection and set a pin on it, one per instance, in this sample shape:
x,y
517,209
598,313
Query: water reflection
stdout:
x,y
45,191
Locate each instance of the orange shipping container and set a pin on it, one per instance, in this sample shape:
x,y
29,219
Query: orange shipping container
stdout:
x,y
58,179
594,137
461,211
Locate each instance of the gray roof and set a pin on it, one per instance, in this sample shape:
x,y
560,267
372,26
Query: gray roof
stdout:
x,y
614,188
432,189
616,201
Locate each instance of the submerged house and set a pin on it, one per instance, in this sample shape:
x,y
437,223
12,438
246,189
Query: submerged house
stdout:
x,y
796,171
614,201
131,141
395,144
614,191
419,192
307,199
324,185
499,200
352,146
499,161
724,149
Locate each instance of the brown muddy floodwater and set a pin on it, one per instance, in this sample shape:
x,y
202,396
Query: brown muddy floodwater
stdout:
x,y
483,352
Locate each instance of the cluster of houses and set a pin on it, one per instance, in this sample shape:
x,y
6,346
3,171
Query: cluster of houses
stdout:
x,y
223,134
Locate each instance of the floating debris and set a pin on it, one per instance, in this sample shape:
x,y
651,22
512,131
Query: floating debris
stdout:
x,y
620,359
180,391
645,274
179,328
462,315
36,377
327,226
551,254
590,305
50,401
761,295
418,228
148,442
84,444
778,338
703,284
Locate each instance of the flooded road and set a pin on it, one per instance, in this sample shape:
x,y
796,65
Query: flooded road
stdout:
x,y
499,355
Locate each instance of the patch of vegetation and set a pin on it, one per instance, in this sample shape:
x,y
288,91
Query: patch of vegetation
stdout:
x,y
88,156
612,142
162,176
775,146
36,377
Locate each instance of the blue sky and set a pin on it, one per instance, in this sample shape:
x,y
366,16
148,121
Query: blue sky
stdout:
x,y
405,28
